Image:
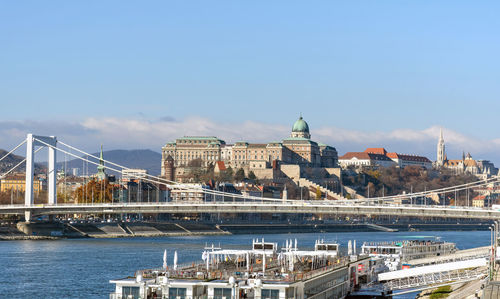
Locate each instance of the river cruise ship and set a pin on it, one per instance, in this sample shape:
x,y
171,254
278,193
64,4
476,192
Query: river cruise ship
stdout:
x,y
261,272
396,253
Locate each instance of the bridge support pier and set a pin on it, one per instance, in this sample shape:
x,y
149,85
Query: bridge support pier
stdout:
x,y
27,216
31,142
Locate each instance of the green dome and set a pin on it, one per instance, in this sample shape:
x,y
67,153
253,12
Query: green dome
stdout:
x,y
300,126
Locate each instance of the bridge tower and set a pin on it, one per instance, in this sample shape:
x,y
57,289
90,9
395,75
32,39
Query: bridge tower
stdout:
x,y
31,142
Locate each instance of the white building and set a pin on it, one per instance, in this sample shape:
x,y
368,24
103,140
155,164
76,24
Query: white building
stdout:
x,y
360,159
403,160
133,174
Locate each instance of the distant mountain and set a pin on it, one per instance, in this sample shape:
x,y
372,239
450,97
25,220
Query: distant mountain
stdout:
x,y
12,160
144,159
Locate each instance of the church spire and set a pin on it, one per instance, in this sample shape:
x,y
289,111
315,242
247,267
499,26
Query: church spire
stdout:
x,y
101,175
440,149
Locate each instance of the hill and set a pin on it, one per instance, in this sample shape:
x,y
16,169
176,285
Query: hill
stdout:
x,y
144,159
12,160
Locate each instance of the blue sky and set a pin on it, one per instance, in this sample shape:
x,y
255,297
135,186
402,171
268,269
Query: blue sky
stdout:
x,y
363,73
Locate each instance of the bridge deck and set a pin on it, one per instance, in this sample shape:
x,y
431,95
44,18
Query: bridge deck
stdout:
x,y
290,206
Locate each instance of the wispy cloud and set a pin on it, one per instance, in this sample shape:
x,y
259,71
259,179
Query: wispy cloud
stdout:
x,y
131,133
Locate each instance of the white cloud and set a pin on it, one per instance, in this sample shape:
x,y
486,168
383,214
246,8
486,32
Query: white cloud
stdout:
x,y
133,133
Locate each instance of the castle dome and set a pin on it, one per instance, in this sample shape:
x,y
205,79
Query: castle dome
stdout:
x,y
300,126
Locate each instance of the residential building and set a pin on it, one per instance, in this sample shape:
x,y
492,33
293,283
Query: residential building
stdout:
x,y
69,184
403,160
192,192
364,159
133,173
220,167
17,182
478,201
378,156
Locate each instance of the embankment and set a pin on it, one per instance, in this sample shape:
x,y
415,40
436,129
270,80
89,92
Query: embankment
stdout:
x,y
57,230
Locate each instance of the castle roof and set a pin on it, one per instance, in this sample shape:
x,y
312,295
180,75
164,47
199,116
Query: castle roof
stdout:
x,y
300,126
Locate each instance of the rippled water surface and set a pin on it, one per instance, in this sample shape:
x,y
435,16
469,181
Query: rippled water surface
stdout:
x,y
82,268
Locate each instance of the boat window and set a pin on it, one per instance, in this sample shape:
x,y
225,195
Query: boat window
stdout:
x,y
332,247
270,294
130,292
176,293
222,293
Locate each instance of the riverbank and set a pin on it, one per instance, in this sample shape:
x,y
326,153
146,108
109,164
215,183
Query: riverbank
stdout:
x,y
347,227
57,230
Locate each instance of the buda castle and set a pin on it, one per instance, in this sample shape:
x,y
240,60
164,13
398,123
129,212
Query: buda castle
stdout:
x,y
261,158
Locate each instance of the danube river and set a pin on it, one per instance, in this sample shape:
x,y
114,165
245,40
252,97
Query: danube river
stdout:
x,y
82,268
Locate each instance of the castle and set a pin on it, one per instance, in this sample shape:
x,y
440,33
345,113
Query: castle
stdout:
x,y
261,158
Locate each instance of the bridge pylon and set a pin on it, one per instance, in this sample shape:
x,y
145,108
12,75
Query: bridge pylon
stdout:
x,y
31,142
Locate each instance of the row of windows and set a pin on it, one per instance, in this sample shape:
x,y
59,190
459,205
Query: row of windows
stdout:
x,y
180,293
195,157
193,141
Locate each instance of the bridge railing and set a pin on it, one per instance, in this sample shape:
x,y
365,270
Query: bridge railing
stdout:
x,y
325,203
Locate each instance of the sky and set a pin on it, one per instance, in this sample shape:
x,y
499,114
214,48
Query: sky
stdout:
x,y
137,74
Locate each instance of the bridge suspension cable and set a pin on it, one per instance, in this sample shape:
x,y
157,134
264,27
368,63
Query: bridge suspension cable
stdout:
x,y
13,150
17,165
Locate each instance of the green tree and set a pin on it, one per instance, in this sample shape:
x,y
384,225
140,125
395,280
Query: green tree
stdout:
x,y
239,175
318,193
251,175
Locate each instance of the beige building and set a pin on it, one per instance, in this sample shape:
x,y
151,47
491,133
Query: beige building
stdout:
x,y
206,149
298,149
17,182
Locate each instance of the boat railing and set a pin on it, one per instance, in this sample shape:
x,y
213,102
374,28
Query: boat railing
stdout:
x,y
198,271
115,296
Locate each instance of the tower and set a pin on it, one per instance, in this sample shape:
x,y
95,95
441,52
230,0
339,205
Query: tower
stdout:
x,y
169,168
101,175
440,150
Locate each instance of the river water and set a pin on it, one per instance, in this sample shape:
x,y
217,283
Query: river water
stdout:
x,y
82,268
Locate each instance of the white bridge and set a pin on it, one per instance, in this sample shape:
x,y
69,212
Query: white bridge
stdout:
x,y
253,206
223,202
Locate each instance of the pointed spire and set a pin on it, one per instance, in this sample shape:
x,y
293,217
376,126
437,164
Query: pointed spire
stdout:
x,y
441,154
101,174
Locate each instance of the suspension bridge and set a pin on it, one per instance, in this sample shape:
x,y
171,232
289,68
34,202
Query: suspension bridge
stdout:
x,y
214,201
